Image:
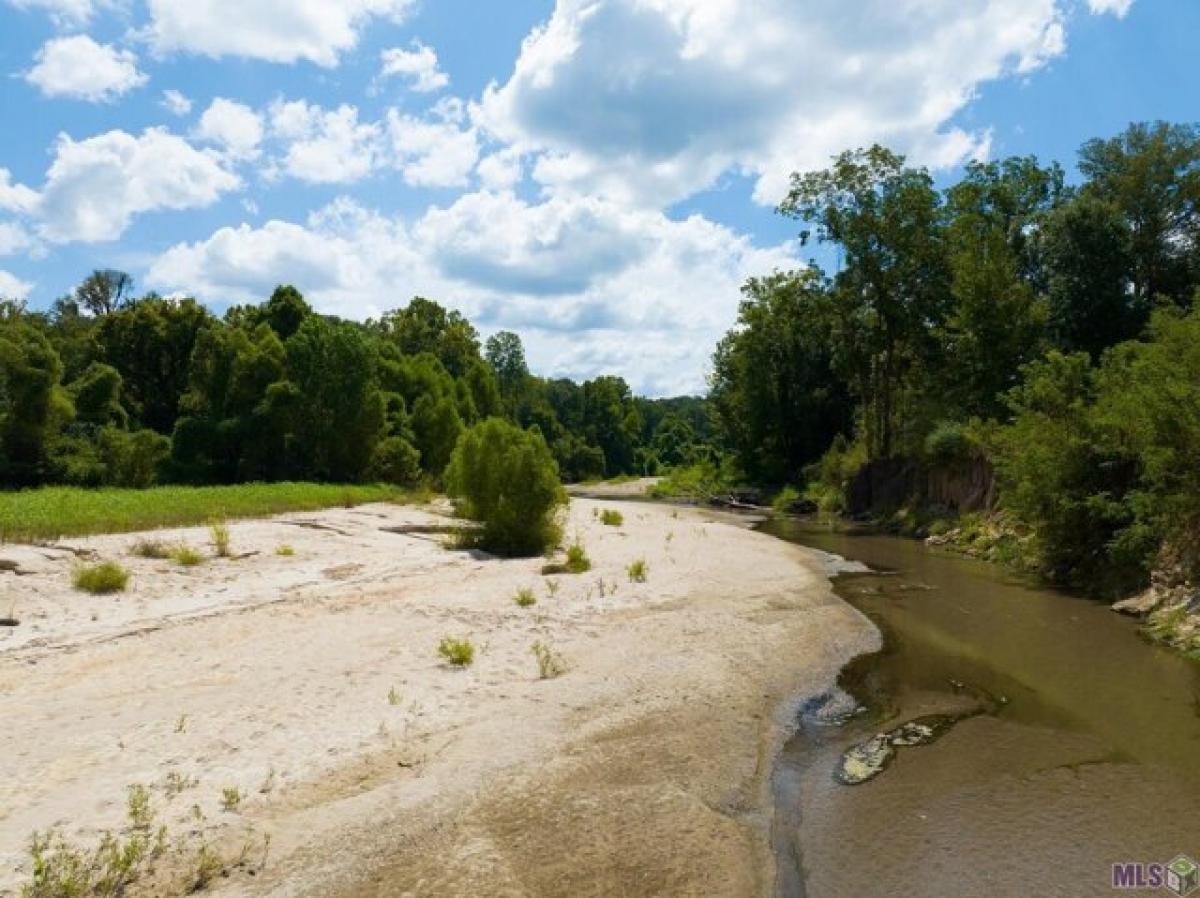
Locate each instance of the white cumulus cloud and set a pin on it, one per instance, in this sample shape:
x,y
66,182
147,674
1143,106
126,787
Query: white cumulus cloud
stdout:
x,y
1117,8
12,287
63,12
82,69
237,128
593,287
652,100
94,187
274,30
324,146
419,66
175,103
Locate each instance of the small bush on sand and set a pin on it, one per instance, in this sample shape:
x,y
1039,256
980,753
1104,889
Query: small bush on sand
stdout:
x,y
612,517
186,555
524,598
506,479
231,798
577,559
459,652
551,587
220,538
150,548
105,577
637,571
285,551
550,663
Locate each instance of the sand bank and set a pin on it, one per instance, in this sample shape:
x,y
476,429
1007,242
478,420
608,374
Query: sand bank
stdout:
x,y
311,684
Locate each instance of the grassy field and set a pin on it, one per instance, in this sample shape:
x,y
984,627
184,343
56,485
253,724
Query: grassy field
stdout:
x,y
51,512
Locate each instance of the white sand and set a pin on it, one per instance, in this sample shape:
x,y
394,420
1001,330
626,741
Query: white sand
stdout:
x,y
312,684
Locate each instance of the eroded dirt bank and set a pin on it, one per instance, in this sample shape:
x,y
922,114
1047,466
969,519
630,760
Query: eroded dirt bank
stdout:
x,y
311,684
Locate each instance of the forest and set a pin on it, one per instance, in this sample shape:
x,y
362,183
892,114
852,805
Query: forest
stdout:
x,y
106,389
1043,329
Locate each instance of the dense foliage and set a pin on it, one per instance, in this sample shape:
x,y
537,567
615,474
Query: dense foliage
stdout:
x,y
506,479
109,390
1046,325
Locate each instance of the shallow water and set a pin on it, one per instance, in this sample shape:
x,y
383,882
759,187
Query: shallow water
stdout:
x,y
1073,744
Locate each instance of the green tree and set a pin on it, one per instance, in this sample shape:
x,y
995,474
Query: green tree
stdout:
x,y
506,479
887,221
1150,173
506,354
104,291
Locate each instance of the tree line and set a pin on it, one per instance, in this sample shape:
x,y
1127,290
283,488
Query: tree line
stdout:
x,y
1048,327
106,388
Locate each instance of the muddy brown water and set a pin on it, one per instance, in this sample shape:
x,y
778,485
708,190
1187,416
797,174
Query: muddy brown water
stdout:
x,y
1064,743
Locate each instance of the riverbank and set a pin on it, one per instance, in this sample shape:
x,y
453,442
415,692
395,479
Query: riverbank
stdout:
x,y
308,685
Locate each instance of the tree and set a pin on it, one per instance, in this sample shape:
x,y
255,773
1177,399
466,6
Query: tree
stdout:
x,y
33,405
425,326
506,354
887,220
775,388
1092,302
1150,174
104,291
150,343
336,404
506,479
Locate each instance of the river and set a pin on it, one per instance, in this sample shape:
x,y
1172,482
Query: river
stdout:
x,y
1058,742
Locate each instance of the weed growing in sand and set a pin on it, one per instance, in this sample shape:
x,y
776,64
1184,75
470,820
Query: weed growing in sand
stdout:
x,y
612,517
550,663
63,869
637,571
176,783
268,783
394,696
577,559
231,798
459,652
105,577
150,548
206,866
138,807
181,723
219,531
185,555
552,587
524,598
285,551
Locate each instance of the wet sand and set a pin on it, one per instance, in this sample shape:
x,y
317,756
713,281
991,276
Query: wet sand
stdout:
x,y
311,683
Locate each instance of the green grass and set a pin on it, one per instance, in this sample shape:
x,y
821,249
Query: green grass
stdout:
x,y
525,597
105,577
185,555
53,512
611,517
637,571
458,652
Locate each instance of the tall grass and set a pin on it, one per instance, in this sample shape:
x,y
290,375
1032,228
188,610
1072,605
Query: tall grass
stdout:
x,y
51,512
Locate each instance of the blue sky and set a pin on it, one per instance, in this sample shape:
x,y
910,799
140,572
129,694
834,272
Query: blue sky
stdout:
x,y
598,175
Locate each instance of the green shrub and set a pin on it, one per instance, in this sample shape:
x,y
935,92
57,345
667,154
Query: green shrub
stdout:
x,y
637,571
949,443
185,555
105,577
231,798
506,479
577,559
397,461
150,548
459,652
785,498
524,598
285,551
612,517
220,538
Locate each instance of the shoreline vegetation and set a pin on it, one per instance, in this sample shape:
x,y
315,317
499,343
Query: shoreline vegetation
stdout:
x,y
54,512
